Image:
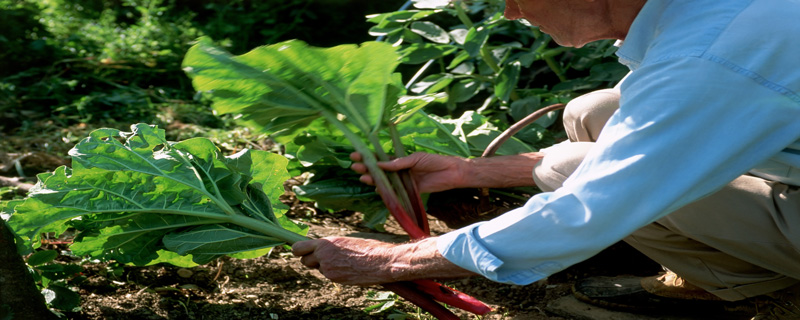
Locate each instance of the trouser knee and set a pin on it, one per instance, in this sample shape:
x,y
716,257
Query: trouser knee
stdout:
x,y
585,116
558,163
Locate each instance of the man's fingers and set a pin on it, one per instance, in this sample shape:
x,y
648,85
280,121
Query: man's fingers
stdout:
x,y
362,169
402,163
355,156
393,165
367,179
302,248
359,167
310,261
305,250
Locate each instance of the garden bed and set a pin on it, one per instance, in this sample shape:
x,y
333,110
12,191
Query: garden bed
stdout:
x,y
277,286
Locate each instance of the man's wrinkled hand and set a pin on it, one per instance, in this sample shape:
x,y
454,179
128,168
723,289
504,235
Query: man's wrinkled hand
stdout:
x,y
351,261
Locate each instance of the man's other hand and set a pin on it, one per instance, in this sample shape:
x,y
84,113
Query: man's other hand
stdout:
x,y
431,172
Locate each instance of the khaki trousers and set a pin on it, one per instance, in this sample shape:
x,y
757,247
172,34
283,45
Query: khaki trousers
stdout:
x,y
739,242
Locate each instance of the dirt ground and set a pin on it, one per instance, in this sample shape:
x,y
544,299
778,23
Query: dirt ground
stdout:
x,y
277,286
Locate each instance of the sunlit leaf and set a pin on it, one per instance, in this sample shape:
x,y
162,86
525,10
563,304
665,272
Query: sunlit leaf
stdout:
x,y
432,83
286,85
132,195
464,90
474,41
430,31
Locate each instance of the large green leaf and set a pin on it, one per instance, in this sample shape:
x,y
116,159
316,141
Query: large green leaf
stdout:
x,y
429,133
238,86
464,90
475,40
267,171
286,85
368,92
316,146
137,195
340,194
432,83
409,106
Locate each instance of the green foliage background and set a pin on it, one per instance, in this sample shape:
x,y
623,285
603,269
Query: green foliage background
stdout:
x,y
96,61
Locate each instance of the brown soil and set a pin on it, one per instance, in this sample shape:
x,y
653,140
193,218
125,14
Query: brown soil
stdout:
x,y
277,286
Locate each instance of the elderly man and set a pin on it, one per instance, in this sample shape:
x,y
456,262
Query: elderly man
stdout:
x,y
694,160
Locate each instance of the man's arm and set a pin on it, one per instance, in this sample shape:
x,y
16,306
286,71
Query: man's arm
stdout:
x,y
681,133
356,261
438,173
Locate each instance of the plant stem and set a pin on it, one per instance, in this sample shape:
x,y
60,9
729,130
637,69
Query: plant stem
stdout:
x,y
462,15
452,297
397,144
379,176
266,228
553,52
487,57
548,56
395,180
408,291
409,185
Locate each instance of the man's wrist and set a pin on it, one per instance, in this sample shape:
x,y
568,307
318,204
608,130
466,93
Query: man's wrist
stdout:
x,y
500,172
466,170
422,260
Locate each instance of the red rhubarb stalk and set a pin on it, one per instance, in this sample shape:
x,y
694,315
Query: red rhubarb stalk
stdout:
x,y
419,294
410,292
452,297
409,186
418,208
438,291
399,213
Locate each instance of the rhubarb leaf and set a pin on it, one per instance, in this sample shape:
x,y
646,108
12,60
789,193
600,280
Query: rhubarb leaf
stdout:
x,y
134,197
286,85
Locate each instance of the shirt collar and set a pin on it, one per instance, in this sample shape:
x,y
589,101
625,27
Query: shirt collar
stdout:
x,y
641,33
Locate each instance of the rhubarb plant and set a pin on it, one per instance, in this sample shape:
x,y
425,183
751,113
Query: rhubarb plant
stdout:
x,y
137,198
346,98
282,88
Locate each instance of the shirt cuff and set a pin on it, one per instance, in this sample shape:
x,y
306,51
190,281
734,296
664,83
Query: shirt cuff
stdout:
x,y
465,249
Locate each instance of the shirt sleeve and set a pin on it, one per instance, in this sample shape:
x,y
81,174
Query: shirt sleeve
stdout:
x,y
686,127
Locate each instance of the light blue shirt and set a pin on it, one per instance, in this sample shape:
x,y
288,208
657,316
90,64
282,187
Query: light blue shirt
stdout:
x,y
713,94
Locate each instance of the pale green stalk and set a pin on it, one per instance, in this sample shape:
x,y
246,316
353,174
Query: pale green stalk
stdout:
x,y
548,56
265,228
368,157
382,183
394,178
